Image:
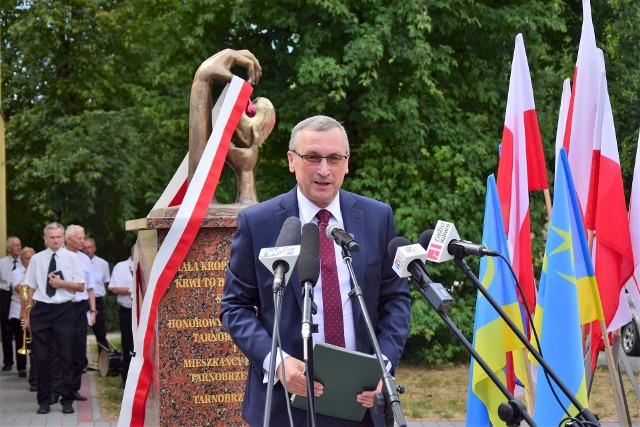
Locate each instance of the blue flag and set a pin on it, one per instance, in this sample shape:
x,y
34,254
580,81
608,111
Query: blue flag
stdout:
x,y
566,285
492,338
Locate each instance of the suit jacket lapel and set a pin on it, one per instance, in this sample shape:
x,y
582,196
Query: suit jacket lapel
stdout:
x,y
289,205
353,219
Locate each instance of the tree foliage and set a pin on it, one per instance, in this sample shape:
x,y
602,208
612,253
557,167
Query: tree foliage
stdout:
x,y
96,95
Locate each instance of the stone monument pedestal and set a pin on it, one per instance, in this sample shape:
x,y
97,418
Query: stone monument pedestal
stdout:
x,y
199,374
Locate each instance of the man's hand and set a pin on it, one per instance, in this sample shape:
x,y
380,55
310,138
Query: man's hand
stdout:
x,y
55,281
366,397
296,378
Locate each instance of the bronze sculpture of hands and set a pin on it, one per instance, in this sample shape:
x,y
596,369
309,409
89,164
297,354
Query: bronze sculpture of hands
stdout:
x,y
255,124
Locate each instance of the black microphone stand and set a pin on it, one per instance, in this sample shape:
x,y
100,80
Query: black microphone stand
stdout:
x,y
584,414
278,292
390,391
308,310
512,412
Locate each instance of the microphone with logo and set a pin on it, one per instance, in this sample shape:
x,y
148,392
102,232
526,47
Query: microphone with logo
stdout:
x,y
445,244
408,261
342,238
282,258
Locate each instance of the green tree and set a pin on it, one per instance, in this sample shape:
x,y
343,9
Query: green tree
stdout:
x,y
96,93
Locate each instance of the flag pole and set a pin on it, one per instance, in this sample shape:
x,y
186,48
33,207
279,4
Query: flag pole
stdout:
x,y
547,201
529,392
617,387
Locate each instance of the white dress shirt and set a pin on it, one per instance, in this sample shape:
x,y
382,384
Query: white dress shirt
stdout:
x,y
100,275
6,266
88,277
36,276
16,278
308,212
122,277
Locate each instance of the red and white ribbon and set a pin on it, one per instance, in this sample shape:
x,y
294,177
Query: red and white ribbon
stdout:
x,y
177,187
226,113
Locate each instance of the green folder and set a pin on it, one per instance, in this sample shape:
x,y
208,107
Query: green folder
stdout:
x,y
344,374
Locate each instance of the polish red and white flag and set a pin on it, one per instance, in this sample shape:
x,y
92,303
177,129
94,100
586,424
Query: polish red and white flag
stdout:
x,y
633,284
581,119
592,149
521,169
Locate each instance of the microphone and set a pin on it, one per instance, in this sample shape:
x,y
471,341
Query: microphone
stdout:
x,y
409,261
445,244
342,238
281,258
309,264
308,273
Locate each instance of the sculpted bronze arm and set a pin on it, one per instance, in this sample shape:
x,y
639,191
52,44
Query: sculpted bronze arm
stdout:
x,y
254,127
215,69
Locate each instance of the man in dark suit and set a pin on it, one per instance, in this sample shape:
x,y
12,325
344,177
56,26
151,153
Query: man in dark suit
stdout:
x,y
319,157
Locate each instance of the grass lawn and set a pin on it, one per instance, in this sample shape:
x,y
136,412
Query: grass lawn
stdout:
x,y
430,393
441,392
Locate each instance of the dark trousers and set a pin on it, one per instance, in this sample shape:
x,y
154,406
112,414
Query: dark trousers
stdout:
x,y
15,326
79,349
33,375
5,329
100,327
127,340
52,331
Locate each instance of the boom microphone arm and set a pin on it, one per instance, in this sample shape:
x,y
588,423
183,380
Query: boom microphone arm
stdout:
x,y
583,413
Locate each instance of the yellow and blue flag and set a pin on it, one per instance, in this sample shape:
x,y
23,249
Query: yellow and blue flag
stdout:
x,y
492,337
566,300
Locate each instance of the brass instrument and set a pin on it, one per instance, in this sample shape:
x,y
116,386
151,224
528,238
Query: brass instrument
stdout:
x,y
26,338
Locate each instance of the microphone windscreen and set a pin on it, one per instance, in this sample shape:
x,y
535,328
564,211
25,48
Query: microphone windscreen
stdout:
x,y
425,237
289,233
395,243
309,259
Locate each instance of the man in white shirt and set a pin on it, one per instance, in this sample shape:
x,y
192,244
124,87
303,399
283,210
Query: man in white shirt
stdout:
x,y
16,312
101,281
83,302
121,284
7,265
54,276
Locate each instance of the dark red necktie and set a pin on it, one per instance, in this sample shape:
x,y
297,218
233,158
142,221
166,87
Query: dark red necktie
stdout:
x,y
331,299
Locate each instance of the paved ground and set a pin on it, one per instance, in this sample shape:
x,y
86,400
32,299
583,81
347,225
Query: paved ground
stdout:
x,y
18,406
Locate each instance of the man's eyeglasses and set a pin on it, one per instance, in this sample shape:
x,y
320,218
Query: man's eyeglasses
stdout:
x,y
315,159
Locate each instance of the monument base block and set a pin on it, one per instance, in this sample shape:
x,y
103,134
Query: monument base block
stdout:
x,y
199,374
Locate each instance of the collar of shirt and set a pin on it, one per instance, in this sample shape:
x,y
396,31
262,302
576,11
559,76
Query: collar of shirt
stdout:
x,y
308,210
50,252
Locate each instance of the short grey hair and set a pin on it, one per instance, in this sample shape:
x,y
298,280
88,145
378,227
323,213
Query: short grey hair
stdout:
x,y
318,124
11,238
53,226
72,230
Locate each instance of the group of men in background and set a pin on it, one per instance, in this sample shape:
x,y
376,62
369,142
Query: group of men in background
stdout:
x,y
65,287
